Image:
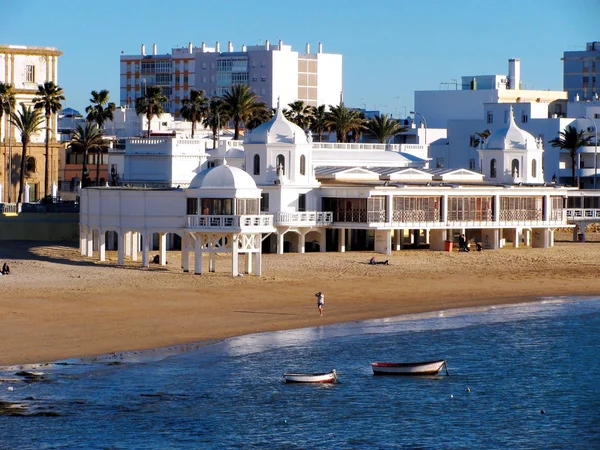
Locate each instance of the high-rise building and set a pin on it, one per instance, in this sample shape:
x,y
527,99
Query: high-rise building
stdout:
x,y
581,72
274,72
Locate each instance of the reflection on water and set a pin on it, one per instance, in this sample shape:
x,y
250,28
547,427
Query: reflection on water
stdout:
x,y
520,377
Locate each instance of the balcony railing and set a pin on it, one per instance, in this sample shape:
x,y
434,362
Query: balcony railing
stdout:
x,y
229,222
577,214
306,218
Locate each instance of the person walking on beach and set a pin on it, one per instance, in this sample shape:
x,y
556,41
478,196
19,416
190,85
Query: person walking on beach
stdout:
x,y
320,302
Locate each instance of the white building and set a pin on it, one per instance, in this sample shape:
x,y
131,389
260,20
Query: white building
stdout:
x,y
438,107
272,71
310,201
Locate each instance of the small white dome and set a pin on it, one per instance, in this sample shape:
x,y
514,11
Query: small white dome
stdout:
x,y
510,137
277,130
197,180
235,152
223,177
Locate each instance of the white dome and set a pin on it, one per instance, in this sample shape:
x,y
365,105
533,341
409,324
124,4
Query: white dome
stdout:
x,y
223,177
235,152
197,180
277,130
510,137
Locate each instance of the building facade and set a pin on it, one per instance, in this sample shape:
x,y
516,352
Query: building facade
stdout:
x,y
272,71
581,72
25,68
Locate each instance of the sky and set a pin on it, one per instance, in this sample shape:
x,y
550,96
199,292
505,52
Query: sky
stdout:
x,y
390,48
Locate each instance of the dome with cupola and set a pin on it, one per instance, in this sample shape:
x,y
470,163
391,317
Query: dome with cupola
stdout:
x,y
278,130
511,137
222,177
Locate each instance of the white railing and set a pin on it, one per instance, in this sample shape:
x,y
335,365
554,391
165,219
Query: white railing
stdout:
x,y
9,208
310,218
356,146
576,214
229,222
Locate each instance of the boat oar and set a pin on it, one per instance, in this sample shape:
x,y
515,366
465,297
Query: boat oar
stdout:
x,y
446,366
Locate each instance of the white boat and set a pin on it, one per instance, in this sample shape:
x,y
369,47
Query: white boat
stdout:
x,y
410,368
326,377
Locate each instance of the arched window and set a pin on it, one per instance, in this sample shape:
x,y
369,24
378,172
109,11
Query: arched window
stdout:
x,y
514,167
493,168
30,164
280,163
302,165
534,168
256,164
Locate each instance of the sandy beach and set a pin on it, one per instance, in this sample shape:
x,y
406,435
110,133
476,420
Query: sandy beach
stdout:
x,y
57,304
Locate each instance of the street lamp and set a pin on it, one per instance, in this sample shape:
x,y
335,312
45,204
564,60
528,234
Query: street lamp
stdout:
x,y
424,122
595,148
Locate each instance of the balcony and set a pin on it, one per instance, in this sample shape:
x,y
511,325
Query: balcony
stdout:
x,y
303,219
262,223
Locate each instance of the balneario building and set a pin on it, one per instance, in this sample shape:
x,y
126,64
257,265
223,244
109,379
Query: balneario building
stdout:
x,y
288,194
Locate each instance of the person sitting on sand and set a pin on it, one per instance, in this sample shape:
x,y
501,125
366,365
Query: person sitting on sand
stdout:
x,y
5,269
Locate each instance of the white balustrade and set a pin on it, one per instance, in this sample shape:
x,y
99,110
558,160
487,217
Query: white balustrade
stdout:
x,y
228,222
304,218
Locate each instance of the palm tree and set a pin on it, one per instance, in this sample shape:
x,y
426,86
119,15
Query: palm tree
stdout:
x,y
481,137
48,97
216,115
7,101
151,104
299,113
382,127
84,140
343,120
261,114
100,109
571,140
28,121
241,103
194,108
317,121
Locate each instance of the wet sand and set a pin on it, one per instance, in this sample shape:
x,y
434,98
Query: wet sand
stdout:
x,y
57,304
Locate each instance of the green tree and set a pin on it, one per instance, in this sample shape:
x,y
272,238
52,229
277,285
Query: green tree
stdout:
x,y
151,104
241,103
28,121
317,122
101,109
571,140
216,115
48,97
383,128
343,121
299,113
84,140
260,115
7,101
481,137
194,108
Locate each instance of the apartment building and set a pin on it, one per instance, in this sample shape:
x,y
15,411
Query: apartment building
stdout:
x,y
581,71
272,71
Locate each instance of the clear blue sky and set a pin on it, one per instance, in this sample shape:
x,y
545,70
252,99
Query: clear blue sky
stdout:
x,y
390,48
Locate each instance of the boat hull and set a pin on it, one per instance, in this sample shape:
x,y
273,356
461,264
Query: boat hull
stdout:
x,y
416,368
329,377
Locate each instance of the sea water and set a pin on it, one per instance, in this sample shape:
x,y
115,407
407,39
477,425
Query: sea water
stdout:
x,y
521,376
